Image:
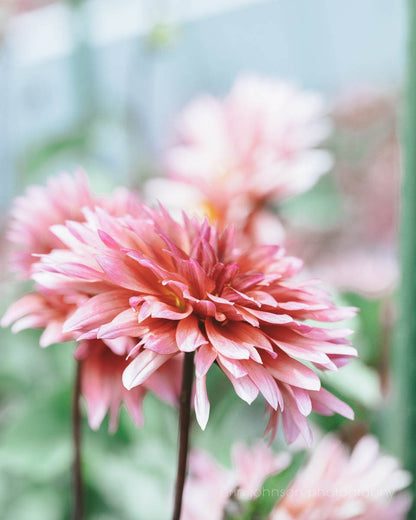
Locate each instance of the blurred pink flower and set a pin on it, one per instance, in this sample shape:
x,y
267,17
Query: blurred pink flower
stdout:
x,y
102,388
43,309
210,486
62,199
32,214
257,144
186,287
103,361
256,225
252,466
101,385
336,485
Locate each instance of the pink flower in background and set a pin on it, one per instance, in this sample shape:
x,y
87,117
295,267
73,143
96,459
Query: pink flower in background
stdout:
x,y
334,485
32,214
44,309
252,466
186,287
207,490
102,366
63,198
337,485
103,362
260,141
256,225
101,385
257,144
210,486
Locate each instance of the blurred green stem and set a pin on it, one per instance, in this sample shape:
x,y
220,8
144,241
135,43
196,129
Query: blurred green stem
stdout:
x,y
407,322
184,425
77,483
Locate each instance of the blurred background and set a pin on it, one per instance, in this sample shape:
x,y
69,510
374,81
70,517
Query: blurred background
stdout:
x,y
98,83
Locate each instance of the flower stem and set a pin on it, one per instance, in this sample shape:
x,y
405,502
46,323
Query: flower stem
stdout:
x,y
77,489
184,424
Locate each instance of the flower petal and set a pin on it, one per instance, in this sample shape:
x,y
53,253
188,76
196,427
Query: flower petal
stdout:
x,y
204,358
201,402
188,335
142,367
227,347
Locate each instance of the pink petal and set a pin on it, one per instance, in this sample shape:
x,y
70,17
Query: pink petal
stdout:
x,y
326,403
121,273
204,358
133,400
303,353
233,366
124,324
265,383
244,387
293,424
53,334
142,367
270,317
188,335
302,400
294,373
97,311
24,305
198,279
223,345
201,402
160,309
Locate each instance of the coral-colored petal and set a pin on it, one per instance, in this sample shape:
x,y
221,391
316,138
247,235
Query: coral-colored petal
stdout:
x,y
292,372
188,335
224,345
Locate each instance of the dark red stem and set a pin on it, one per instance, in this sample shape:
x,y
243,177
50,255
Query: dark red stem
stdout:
x,y
77,483
184,425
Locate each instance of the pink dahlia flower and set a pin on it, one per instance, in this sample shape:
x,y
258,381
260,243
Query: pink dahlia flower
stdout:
x,y
187,288
337,485
257,144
